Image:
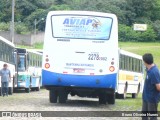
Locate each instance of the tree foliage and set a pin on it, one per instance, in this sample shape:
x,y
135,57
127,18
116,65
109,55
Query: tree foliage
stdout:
x,y
126,33
128,12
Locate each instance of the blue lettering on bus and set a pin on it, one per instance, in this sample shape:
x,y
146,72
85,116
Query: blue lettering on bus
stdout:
x,y
75,21
88,21
79,64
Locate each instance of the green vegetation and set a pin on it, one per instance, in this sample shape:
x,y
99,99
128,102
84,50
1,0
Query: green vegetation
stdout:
x,y
39,46
129,104
126,33
35,46
129,12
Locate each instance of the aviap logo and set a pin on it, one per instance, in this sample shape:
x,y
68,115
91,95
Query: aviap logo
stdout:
x,y
77,21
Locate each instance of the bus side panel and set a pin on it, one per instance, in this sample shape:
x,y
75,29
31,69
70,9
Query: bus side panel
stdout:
x,y
97,81
23,81
35,81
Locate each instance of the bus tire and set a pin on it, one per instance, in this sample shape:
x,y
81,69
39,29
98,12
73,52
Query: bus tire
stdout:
x,y
53,96
38,88
111,98
33,89
102,98
134,95
0,91
10,90
14,90
27,90
62,96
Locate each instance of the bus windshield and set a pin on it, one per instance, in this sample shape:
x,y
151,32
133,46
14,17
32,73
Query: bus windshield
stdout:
x,y
21,63
81,27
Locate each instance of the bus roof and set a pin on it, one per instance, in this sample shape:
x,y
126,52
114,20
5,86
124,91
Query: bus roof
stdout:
x,y
34,51
37,50
6,41
130,54
24,50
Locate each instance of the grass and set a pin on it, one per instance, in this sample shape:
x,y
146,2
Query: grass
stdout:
x,y
39,45
129,104
35,46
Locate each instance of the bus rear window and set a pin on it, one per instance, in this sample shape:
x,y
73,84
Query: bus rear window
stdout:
x,y
81,27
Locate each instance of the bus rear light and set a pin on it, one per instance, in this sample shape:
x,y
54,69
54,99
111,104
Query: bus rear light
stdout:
x,y
47,65
111,68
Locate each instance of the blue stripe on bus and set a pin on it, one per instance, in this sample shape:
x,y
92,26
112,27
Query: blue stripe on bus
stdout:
x,y
105,81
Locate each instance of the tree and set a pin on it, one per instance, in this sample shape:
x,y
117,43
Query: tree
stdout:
x,y
59,2
139,10
6,11
24,8
126,33
38,14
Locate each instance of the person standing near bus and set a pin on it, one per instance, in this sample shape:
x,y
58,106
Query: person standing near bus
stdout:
x,y
151,90
5,78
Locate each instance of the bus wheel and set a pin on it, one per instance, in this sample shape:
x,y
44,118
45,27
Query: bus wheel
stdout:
x,y
10,90
38,88
53,95
102,98
0,91
32,89
135,95
62,96
27,90
111,98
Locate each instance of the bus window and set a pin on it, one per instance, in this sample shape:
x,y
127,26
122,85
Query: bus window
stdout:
x,y
21,63
84,27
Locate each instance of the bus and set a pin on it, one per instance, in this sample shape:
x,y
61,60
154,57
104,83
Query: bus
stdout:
x,y
81,56
6,56
131,74
28,69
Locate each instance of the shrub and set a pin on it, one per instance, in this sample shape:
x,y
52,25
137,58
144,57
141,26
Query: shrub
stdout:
x,y
21,28
4,26
126,33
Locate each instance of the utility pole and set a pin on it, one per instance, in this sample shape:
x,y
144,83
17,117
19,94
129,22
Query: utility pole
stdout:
x,y
35,24
12,26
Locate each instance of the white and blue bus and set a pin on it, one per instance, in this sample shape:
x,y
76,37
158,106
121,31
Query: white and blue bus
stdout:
x,y
28,69
80,55
130,74
7,56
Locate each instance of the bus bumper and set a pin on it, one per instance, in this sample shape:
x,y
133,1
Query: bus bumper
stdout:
x,y
87,81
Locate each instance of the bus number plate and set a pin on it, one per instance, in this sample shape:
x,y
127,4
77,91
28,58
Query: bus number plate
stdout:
x,y
78,70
